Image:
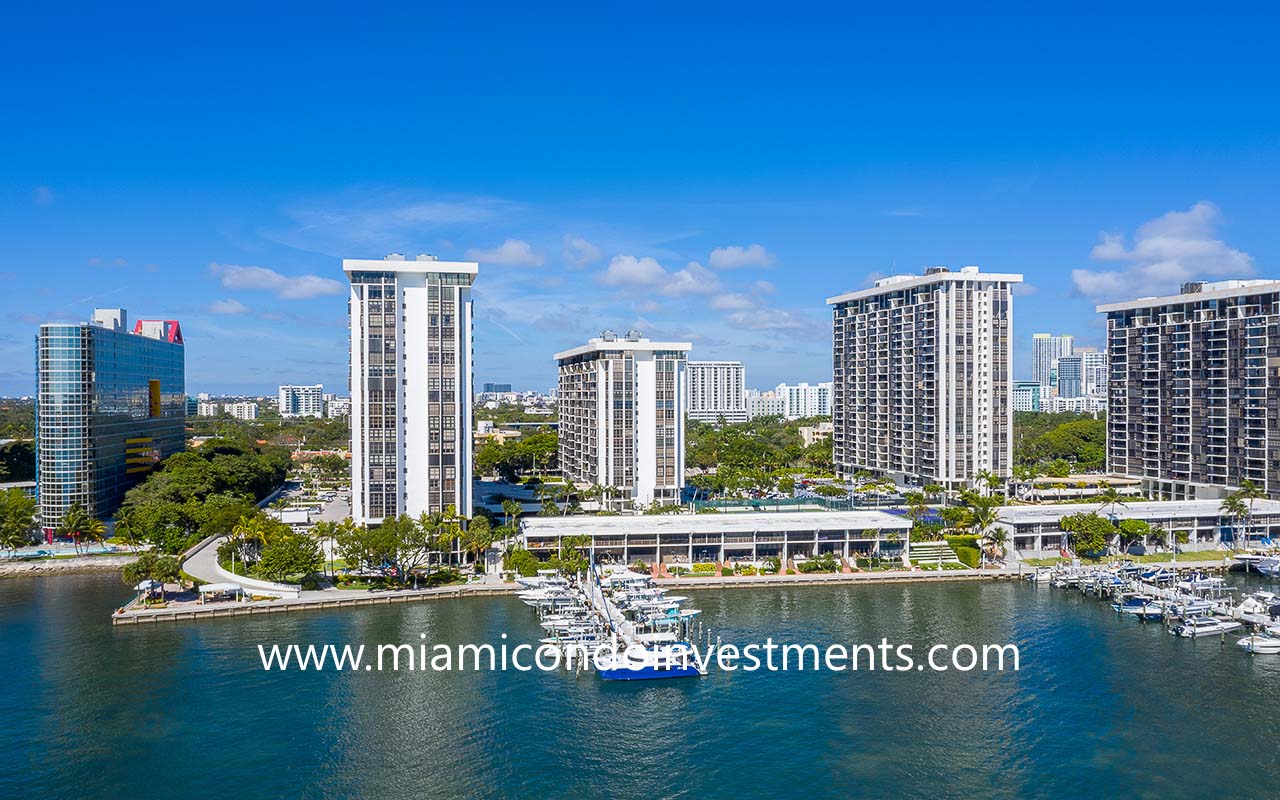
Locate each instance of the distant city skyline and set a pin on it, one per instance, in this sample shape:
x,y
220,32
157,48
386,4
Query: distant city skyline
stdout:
x,y
682,196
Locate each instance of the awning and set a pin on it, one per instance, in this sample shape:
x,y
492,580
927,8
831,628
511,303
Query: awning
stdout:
x,y
210,588
148,585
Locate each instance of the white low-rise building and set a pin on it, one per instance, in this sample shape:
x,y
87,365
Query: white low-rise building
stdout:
x,y
1078,405
745,536
1035,531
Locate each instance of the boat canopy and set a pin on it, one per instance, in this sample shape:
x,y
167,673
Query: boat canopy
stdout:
x,y
210,588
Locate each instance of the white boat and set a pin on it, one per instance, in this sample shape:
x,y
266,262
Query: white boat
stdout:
x,y
544,579
1041,575
1265,643
1258,603
1203,626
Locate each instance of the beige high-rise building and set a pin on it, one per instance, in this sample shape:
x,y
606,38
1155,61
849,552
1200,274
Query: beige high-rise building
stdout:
x,y
923,369
621,405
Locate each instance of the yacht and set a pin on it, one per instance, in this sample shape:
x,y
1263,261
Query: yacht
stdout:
x,y
1265,643
1203,626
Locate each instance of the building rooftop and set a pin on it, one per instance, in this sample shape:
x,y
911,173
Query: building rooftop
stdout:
x,y
729,522
395,262
932,275
610,342
1150,510
1197,292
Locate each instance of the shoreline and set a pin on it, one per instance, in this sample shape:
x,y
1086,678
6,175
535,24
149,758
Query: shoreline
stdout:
x,y
64,566
338,599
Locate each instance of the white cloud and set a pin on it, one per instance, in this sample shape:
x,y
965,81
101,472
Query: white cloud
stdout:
x,y
629,271
693,279
766,319
764,287
1167,251
286,287
735,257
511,253
228,306
1025,289
648,307
42,195
733,301
578,252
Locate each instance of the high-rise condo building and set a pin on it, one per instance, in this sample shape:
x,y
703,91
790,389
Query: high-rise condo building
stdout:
x,y
923,377
717,391
800,400
111,404
621,403
1093,368
1046,349
302,401
1192,406
411,386
1071,376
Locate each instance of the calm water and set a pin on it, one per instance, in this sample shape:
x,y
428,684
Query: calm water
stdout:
x,y
1102,706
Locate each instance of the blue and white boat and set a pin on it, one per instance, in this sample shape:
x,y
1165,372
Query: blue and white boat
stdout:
x,y
663,657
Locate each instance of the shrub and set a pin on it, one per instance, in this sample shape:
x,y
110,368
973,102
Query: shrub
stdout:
x,y
969,556
791,572
727,572
704,569
639,566
522,562
772,564
823,563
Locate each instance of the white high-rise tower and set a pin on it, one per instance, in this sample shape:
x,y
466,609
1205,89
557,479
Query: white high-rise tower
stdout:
x,y
411,386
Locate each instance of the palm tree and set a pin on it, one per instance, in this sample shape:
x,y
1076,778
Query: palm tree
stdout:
x,y
934,491
247,532
1234,508
477,539
512,510
126,528
984,478
74,520
95,531
1110,497
1250,491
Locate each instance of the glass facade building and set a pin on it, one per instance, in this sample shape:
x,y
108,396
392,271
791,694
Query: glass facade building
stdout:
x,y
111,404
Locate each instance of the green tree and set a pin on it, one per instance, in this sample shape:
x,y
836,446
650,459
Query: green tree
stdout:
x,y
291,554
1133,531
1090,533
477,539
17,519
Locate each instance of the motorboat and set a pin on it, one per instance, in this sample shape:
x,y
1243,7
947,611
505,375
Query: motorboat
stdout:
x,y
1259,603
1132,603
1265,643
661,655
1203,626
545,578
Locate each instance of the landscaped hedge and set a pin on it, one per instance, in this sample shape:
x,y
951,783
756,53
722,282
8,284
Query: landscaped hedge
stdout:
x,y
969,556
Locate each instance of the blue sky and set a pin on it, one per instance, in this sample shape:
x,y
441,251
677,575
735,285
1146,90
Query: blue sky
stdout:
x,y
709,173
